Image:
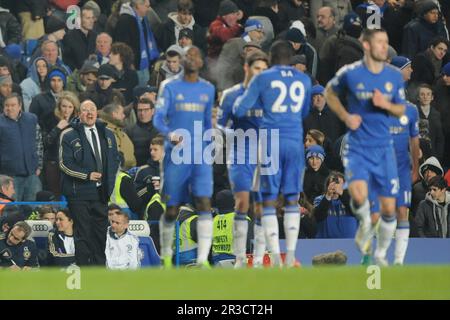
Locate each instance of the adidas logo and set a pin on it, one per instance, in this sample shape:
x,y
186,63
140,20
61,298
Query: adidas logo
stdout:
x,y
179,97
360,86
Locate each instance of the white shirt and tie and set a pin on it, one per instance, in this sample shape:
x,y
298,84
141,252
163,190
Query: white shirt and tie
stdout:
x,y
88,131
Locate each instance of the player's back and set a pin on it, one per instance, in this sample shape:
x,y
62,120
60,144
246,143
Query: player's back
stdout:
x,y
252,118
285,95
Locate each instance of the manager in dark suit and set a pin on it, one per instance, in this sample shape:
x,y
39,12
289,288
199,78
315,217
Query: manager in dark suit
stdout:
x,y
89,160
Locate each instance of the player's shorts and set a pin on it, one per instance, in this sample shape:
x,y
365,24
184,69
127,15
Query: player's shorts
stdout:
x,y
180,181
241,179
282,169
403,198
375,165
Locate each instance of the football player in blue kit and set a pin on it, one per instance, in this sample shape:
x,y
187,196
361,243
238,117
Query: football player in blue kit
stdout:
x,y
373,91
285,96
405,132
241,174
183,114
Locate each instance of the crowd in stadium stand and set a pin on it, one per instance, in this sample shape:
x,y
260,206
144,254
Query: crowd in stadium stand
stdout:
x,y
113,59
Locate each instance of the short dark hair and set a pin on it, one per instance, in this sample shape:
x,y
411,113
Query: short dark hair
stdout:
x,y
172,54
281,52
146,101
66,212
258,55
158,140
185,5
332,176
110,108
436,40
438,182
367,34
113,206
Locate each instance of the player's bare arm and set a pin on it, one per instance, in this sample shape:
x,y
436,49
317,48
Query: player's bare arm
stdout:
x,y
380,101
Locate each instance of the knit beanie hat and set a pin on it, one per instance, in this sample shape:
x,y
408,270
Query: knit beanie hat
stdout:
x,y
295,35
54,24
315,151
57,72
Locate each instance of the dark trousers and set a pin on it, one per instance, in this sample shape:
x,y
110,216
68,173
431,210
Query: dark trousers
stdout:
x,y
52,179
90,226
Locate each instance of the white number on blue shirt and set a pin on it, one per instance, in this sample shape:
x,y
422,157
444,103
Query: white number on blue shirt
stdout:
x,y
296,94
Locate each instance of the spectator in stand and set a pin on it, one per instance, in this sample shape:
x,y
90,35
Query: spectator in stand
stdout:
x,y
428,112
321,118
43,105
316,172
427,65
341,8
326,26
50,51
6,191
433,213
418,33
113,116
66,110
186,39
6,88
429,169
10,28
223,28
102,92
31,13
14,53
35,84
80,80
61,244
395,17
121,58
332,210
269,9
169,33
442,104
341,49
314,137
232,57
103,45
133,28
59,7
168,67
20,148
78,44
143,131
301,46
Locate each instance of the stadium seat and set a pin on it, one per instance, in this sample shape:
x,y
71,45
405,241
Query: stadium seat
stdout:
x,y
39,233
150,256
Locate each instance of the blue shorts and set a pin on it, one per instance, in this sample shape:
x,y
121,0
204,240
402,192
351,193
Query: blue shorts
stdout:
x,y
241,179
403,198
375,165
282,170
181,181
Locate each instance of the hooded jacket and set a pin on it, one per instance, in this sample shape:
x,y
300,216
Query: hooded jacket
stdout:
x,y
32,86
420,188
433,218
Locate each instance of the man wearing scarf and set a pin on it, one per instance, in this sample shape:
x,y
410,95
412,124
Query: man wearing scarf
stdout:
x,y
133,28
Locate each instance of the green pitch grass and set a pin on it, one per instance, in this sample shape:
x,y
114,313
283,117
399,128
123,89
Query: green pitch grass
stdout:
x,y
409,282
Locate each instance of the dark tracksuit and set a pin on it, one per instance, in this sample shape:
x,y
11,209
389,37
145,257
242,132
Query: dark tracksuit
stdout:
x,y
87,201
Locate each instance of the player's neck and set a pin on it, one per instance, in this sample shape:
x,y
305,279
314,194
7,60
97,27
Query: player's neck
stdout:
x,y
373,66
191,76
